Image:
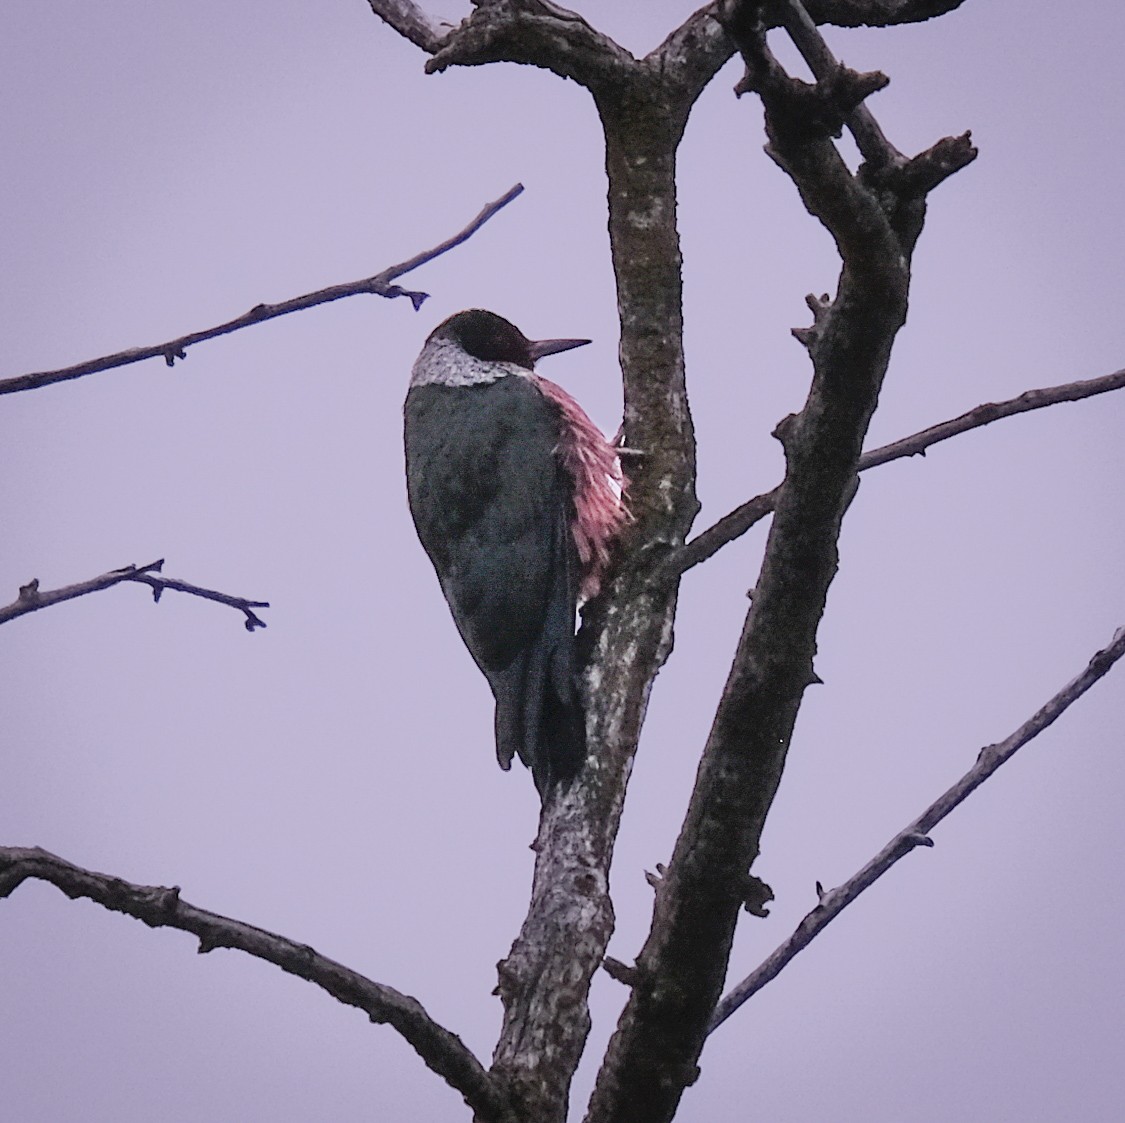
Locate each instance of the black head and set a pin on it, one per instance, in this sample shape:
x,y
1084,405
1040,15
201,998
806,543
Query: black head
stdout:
x,y
484,335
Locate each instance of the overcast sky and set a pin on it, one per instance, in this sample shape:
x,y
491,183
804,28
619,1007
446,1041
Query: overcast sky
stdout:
x,y
165,167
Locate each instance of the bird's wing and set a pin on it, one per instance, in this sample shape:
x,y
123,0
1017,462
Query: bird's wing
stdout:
x,y
487,494
493,505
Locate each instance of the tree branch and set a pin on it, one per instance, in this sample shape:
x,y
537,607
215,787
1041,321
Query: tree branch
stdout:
x,y
627,632
379,285
536,33
694,53
159,907
30,598
411,22
542,33
653,1054
802,29
733,525
878,13
430,34
700,46
833,902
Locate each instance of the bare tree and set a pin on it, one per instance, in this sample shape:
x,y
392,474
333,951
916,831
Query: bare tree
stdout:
x,y
875,215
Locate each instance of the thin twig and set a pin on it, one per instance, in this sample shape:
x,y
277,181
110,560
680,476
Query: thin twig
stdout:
x,y
833,902
31,599
742,518
379,285
160,907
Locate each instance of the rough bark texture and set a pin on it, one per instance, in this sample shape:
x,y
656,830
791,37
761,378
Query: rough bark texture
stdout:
x,y
545,980
679,974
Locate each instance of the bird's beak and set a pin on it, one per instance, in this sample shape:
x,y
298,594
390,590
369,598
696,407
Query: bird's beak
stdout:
x,y
542,347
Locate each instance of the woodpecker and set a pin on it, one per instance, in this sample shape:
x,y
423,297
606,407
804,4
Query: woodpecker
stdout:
x,y
517,497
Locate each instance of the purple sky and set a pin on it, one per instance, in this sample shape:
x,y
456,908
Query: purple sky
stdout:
x,y
166,166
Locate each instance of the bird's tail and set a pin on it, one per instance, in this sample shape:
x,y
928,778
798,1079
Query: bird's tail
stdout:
x,y
538,708
539,717
562,740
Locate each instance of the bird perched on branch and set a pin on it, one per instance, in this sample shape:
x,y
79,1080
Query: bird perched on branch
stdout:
x,y
516,496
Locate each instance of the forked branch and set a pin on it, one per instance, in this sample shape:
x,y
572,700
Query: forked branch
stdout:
x,y
806,37
380,285
917,833
158,907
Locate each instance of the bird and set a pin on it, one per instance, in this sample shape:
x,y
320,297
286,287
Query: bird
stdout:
x,y
517,498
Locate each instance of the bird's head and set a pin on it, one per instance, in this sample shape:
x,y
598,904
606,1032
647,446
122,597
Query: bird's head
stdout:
x,y
479,346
